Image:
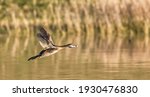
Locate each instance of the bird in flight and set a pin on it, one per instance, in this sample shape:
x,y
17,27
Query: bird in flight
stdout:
x,y
47,43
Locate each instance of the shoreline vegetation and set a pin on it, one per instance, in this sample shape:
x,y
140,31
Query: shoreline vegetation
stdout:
x,y
109,24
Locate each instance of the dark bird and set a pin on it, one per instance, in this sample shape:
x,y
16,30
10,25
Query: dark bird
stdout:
x,y
47,43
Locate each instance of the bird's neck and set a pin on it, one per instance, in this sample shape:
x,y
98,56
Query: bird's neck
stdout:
x,y
61,45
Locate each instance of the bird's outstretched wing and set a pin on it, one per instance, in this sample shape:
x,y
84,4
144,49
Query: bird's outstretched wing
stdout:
x,y
45,39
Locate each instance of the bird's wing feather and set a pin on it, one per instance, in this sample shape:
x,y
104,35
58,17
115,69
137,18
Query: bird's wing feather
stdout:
x,y
44,38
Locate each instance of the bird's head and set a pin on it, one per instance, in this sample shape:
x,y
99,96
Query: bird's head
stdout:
x,y
71,46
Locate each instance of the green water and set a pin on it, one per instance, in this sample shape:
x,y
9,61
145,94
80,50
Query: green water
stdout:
x,y
93,60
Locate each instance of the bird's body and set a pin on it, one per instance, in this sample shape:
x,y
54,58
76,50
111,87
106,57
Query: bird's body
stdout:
x,y
47,43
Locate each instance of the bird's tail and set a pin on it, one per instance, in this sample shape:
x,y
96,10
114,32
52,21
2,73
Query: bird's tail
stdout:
x,y
34,57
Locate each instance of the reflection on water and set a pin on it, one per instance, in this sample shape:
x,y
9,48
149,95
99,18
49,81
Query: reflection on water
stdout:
x,y
120,59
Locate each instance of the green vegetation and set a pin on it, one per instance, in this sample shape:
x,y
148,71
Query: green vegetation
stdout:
x,y
91,20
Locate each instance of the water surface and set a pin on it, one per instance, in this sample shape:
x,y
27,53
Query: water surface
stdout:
x,y
91,60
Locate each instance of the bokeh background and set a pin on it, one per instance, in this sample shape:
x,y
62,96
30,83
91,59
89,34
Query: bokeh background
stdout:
x,y
113,38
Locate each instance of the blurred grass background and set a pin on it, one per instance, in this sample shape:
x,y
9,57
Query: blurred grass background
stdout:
x,y
95,22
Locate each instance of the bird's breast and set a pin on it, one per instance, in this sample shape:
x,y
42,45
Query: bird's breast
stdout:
x,y
50,51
